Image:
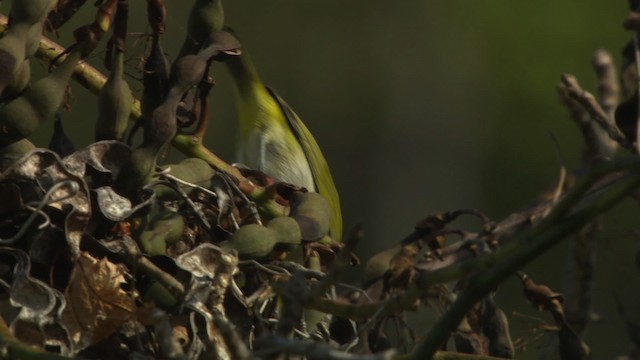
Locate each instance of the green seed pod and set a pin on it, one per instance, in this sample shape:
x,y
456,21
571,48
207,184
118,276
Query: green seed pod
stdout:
x,y
21,116
206,16
192,170
287,229
312,213
161,127
60,143
114,103
13,152
253,241
156,16
159,295
155,79
164,229
12,55
34,35
137,171
31,11
19,83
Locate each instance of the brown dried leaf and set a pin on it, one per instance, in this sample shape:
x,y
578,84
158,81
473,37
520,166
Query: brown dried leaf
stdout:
x,y
96,304
541,296
401,267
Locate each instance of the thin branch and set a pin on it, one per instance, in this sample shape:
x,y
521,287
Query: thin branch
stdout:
x,y
461,264
529,246
594,109
608,87
136,260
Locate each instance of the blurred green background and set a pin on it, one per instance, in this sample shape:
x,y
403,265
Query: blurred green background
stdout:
x,y
422,106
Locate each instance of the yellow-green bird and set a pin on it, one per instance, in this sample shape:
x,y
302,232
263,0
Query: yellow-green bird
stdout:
x,y
274,140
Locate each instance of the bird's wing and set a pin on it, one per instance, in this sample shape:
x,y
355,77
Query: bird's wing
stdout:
x,y
324,183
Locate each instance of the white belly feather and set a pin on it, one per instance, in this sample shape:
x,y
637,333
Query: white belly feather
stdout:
x,y
263,153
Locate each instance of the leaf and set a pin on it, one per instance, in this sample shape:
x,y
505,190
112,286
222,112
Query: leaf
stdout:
x,y
118,208
46,169
97,306
39,305
104,156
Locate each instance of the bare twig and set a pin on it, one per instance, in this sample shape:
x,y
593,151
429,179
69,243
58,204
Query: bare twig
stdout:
x,y
528,246
135,259
594,109
512,233
608,88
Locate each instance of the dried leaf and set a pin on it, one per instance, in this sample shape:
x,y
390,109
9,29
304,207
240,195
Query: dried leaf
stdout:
x,y
113,206
201,261
97,304
38,303
105,156
46,168
541,296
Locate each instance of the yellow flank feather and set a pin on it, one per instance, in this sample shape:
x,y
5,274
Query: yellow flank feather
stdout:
x,y
273,139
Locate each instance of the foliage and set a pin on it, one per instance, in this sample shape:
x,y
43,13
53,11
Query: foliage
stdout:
x,y
107,253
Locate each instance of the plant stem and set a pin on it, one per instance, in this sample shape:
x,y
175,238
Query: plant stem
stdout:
x,y
529,248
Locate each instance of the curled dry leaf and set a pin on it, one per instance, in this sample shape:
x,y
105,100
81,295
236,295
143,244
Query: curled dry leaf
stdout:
x,y
105,156
212,270
45,168
97,306
116,207
38,303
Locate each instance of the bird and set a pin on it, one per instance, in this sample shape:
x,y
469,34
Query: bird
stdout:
x,y
273,139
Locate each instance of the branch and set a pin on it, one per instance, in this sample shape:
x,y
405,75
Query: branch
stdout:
x,y
594,109
527,247
515,232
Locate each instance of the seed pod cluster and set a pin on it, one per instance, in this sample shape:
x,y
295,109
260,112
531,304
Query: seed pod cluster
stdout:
x,y
161,126
165,228
257,241
312,213
12,57
192,170
21,116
